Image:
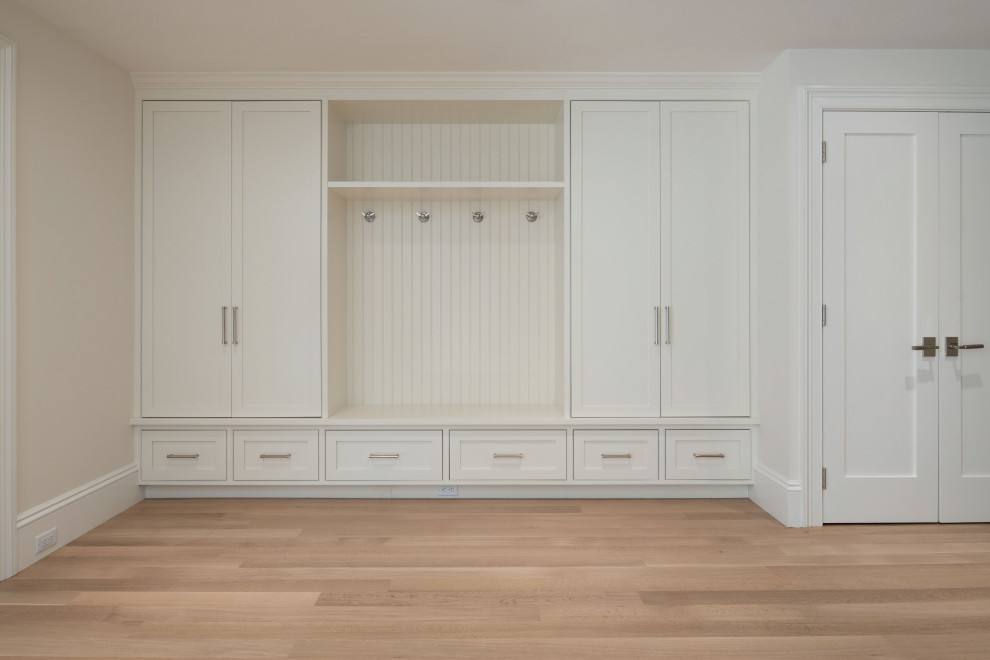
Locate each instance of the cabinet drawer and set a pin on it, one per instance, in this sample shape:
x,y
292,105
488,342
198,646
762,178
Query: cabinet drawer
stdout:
x,y
276,455
384,455
508,455
702,454
184,455
626,455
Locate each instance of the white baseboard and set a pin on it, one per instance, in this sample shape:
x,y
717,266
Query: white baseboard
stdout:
x,y
781,498
480,491
76,512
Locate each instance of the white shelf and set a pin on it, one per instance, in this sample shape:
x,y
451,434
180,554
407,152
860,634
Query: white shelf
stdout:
x,y
447,190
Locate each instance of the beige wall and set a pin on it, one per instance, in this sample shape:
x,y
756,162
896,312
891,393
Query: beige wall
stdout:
x,y
75,260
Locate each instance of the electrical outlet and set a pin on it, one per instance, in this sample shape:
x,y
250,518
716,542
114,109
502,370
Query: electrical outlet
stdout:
x,y
45,540
447,491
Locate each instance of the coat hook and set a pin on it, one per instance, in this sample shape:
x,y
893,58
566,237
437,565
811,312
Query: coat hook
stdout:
x,y
478,216
424,216
369,216
531,216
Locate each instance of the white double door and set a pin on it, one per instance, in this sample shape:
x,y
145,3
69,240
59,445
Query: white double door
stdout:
x,y
231,259
906,256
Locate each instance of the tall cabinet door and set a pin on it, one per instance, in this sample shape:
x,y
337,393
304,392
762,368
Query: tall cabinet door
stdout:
x,y
880,277
705,266
615,262
276,338
186,253
964,218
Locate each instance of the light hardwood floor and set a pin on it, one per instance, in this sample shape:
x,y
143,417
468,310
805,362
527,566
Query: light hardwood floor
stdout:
x,y
499,579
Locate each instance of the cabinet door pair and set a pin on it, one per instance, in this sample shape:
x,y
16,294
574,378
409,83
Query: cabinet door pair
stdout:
x,y
231,259
660,259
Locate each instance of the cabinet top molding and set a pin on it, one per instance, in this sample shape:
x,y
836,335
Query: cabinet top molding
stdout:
x,y
442,80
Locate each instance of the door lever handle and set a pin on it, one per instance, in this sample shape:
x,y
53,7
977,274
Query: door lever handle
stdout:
x,y
928,345
952,346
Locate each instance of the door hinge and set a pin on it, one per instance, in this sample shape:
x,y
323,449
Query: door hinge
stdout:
x,y
824,479
824,151
824,315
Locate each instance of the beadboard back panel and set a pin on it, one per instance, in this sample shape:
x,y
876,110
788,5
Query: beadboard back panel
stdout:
x,y
453,311
453,152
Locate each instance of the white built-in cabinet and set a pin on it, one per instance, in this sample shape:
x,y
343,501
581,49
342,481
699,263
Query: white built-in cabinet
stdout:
x,y
231,259
660,259
411,256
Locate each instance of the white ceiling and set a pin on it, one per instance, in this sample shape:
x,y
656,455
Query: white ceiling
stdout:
x,y
501,35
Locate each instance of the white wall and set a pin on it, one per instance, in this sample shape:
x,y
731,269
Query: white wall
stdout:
x,y
775,247
75,261
776,473
871,68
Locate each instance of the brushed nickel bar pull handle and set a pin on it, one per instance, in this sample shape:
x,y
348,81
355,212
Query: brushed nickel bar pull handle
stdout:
x,y
223,325
497,455
666,313
275,456
234,332
616,455
720,455
656,326
383,455
194,456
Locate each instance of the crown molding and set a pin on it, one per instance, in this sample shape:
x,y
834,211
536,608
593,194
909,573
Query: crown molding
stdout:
x,y
904,95
441,80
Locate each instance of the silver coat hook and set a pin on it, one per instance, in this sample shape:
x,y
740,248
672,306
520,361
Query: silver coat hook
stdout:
x,y
478,216
531,216
424,216
369,216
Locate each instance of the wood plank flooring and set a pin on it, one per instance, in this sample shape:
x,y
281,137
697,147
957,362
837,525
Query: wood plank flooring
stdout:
x,y
464,579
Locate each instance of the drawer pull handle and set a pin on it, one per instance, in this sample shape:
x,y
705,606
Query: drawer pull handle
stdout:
x,y
383,455
709,455
275,456
616,455
182,456
497,455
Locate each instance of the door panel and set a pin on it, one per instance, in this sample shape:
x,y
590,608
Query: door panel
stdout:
x,y
965,313
185,366
615,178
276,237
880,282
704,160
